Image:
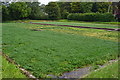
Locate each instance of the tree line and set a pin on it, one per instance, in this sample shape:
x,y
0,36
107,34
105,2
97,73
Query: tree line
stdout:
x,y
52,11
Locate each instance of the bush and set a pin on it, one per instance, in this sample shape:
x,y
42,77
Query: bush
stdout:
x,y
105,17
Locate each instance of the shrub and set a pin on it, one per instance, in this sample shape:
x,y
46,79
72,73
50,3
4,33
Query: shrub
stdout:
x,y
105,17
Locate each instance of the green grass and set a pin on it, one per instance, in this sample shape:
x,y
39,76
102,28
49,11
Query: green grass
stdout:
x,y
0,67
65,20
53,52
108,35
109,71
10,70
0,51
82,24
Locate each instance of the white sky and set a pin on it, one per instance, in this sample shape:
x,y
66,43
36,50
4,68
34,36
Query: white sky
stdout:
x,y
46,1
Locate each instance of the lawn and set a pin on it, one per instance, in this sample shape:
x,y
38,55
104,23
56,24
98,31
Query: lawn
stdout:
x,y
81,24
0,51
65,20
0,67
9,70
55,50
110,71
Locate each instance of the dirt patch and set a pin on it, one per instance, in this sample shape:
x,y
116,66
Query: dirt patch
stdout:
x,y
36,30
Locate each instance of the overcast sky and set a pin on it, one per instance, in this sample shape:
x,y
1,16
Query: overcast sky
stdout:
x,y
46,1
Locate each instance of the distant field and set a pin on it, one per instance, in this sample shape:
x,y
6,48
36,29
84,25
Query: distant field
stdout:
x,y
82,24
45,50
65,20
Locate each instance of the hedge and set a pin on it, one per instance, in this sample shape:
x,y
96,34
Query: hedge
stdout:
x,y
105,17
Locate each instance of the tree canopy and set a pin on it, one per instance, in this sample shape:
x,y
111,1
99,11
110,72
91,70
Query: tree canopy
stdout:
x,y
53,10
19,10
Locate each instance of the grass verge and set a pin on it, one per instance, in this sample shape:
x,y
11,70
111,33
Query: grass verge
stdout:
x,y
9,70
110,71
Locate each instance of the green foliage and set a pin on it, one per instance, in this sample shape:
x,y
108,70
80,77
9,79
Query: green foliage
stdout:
x,y
81,7
36,11
94,7
118,5
75,7
5,13
53,11
19,10
64,6
103,7
64,14
65,9
105,17
86,7
118,15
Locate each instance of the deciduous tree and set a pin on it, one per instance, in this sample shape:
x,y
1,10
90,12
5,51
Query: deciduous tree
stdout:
x,y
19,10
53,10
5,13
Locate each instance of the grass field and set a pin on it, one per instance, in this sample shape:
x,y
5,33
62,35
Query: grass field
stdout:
x,y
75,23
82,24
65,20
10,70
55,50
0,67
110,71
0,51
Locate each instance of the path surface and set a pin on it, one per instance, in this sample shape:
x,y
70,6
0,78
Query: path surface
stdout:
x,y
109,29
82,72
